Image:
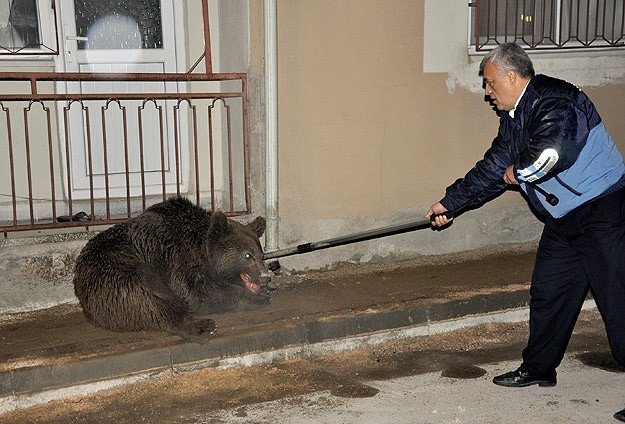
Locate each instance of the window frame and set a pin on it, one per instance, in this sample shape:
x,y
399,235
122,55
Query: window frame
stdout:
x,y
48,33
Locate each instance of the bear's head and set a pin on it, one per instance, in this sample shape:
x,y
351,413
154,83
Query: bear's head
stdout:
x,y
235,253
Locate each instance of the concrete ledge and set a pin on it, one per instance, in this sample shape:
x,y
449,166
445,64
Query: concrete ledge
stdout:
x,y
218,350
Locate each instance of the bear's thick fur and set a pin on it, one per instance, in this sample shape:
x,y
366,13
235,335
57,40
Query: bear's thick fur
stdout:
x,y
170,267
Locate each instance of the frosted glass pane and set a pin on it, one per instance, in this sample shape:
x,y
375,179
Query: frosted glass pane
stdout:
x,y
119,24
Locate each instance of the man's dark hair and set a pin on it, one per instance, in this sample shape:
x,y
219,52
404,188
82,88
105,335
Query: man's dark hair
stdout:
x,y
509,57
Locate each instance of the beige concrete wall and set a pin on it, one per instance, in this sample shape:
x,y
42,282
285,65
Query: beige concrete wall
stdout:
x,y
367,138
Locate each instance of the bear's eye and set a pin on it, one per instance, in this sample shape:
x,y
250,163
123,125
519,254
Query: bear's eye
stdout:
x,y
248,256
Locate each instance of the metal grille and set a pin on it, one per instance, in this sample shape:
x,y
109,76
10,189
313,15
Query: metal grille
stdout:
x,y
548,24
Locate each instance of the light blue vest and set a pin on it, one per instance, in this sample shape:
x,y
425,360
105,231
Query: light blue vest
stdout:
x,y
598,167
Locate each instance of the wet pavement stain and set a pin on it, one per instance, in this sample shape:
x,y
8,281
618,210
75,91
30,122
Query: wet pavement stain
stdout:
x,y
464,372
241,413
601,360
354,390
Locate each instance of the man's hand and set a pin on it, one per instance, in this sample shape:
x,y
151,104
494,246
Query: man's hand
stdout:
x,y
438,209
439,221
509,176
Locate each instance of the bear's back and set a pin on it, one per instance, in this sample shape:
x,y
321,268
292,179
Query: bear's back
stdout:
x,y
176,222
165,232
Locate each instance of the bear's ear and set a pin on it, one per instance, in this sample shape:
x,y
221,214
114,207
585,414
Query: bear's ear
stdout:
x,y
219,225
258,226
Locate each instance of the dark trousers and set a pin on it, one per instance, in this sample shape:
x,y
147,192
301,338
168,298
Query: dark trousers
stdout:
x,y
583,250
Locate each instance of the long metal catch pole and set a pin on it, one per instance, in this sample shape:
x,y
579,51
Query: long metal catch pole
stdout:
x,y
375,233
352,238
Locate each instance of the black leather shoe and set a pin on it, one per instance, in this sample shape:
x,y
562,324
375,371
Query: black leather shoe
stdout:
x,y
620,415
520,378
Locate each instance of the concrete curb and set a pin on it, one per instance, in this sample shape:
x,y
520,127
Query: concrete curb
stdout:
x,y
33,385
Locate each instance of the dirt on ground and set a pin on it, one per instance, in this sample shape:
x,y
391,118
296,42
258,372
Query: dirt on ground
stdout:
x,y
169,398
63,334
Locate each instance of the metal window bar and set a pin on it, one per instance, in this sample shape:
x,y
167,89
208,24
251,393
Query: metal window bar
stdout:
x,y
548,24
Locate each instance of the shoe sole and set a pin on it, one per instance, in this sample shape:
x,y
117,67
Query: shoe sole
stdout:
x,y
540,384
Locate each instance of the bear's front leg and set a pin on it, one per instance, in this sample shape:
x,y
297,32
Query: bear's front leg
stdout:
x,y
194,328
231,298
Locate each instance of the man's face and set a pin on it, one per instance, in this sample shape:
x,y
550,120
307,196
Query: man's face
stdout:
x,y
500,87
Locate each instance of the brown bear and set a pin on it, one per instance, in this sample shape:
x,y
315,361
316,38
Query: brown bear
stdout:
x,y
169,267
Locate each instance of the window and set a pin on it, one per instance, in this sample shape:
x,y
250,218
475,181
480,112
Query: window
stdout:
x,y
548,24
115,24
27,27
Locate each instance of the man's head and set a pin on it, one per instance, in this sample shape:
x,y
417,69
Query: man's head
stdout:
x,y
505,71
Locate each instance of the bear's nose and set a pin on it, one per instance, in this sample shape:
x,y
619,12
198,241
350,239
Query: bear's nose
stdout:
x,y
265,277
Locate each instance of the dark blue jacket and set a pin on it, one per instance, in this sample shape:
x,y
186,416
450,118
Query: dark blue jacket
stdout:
x,y
556,140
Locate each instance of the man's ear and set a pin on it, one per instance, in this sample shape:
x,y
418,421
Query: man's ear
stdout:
x,y
512,77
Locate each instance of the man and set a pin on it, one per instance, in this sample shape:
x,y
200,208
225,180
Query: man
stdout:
x,y
552,142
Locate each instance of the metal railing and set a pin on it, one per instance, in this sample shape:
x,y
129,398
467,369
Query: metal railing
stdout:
x,y
548,24
83,159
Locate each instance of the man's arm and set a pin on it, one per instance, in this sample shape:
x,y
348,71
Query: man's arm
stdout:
x,y
558,130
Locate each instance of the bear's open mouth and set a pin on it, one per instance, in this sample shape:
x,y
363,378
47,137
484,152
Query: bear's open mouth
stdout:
x,y
251,286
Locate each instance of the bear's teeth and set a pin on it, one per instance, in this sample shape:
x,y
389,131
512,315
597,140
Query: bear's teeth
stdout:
x,y
249,284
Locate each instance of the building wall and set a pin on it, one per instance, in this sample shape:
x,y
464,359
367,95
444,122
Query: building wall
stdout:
x,y
370,134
